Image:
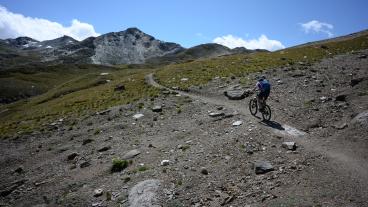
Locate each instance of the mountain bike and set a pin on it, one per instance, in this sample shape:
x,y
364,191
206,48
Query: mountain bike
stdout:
x,y
253,108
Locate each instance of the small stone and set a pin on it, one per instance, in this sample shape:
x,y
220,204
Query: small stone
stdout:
x,y
131,154
72,156
262,167
204,171
119,87
138,116
220,108
165,162
84,164
249,149
87,141
289,145
216,114
341,126
19,170
103,149
237,123
341,97
184,79
157,108
98,192
180,146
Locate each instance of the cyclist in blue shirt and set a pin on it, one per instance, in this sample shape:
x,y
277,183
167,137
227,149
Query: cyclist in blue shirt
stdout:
x,y
264,89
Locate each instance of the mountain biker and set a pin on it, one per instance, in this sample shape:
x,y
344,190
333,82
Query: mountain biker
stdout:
x,y
264,88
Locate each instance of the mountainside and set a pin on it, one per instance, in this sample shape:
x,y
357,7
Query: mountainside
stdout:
x,y
209,50
131,46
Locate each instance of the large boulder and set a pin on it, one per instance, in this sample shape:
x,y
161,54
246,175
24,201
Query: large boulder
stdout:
x,y
235,94
145,194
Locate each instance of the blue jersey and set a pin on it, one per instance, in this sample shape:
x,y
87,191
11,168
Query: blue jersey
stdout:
x,y
264,85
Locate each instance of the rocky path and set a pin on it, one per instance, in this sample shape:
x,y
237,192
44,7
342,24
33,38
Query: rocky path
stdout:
x,y
347,164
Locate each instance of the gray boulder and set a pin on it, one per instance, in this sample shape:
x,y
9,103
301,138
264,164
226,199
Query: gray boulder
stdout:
x,y
145,194
262,167
235,94
131,154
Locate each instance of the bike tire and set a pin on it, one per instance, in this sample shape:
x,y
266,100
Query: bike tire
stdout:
x,y
253,106
266,114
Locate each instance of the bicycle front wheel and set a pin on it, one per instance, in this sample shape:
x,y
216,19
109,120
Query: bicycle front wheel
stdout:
x,y
253,106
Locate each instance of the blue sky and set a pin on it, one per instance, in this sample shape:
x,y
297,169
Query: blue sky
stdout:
x,y
192,22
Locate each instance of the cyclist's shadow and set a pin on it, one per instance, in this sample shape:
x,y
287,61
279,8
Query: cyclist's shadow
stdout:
x,y
272,124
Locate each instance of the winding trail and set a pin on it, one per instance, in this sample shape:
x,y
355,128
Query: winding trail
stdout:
x,y
347,164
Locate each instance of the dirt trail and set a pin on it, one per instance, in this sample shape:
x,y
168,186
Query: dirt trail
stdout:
x,y
348,164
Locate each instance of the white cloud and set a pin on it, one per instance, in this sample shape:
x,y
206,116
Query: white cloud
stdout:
x,y
14,25
318,27
261,43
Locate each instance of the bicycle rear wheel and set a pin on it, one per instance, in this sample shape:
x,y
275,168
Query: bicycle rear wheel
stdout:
x,y
253,106
266,113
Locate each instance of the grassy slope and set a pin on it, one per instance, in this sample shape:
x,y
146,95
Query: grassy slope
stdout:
x,y
201,71
86,93
73,92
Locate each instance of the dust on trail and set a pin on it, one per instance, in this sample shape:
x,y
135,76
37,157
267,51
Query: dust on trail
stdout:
x,y
353,167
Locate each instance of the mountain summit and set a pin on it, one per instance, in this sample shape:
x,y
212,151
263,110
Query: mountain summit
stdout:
x,y
131,46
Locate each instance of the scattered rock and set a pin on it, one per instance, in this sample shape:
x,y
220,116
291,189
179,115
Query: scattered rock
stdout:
x,y
144,194
184,79
87,141
157,108
235,94
19,170
216,114
104,112
204,171
249,149
356,81
98,192
165,162
131,154
84,164
8,190
237,123
341,97
104,74
103,149
361,118
137,116
72,156
289,145
341,126
363,56
220,108
262,167
119,87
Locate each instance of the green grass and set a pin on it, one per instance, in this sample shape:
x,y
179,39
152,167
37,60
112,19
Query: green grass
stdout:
x,y
118,165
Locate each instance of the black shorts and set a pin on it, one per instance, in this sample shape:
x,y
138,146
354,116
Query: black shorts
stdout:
x,y
264,94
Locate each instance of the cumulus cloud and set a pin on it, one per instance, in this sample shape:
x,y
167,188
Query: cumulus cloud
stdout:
x,y
14,25
262,42
315,26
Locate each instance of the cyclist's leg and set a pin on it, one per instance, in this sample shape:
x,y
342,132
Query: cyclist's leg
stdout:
x,y
261,101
